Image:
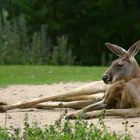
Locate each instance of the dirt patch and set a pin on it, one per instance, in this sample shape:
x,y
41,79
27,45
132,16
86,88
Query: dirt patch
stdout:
x,y
16,93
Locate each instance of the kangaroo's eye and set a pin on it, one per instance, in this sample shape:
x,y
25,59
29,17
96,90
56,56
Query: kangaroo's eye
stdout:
x,y
120,65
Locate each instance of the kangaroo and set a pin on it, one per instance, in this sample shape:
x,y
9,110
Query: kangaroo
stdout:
x,y
122,98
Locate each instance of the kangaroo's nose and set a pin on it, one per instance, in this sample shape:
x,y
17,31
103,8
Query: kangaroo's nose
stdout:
x,y
105,78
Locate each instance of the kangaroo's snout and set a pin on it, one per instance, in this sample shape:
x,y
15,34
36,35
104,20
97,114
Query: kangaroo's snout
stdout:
x,y
107,78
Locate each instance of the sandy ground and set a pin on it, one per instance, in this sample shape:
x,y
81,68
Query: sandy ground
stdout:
x,y
16,93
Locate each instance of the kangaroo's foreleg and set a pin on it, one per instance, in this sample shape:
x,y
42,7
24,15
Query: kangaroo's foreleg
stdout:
x,y
130,113
95,106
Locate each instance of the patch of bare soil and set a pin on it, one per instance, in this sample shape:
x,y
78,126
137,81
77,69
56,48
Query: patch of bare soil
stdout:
x,y
17,93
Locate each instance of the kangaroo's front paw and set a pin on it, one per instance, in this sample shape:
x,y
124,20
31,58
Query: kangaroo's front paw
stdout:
x,y
76,115
71,116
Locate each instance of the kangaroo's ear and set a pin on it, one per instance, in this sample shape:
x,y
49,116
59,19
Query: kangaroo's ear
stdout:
x,y
133,50
117,50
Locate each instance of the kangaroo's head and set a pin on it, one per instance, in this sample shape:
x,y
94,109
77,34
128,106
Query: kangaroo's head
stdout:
x,y
125,67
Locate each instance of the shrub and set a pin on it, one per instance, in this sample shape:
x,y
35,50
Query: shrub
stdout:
x,y
61,55
62,130
19,46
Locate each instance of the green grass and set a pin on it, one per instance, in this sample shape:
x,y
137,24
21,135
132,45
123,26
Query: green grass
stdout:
x,y
48,74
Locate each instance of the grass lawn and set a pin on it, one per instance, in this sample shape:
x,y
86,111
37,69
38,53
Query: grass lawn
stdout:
x,y
48,74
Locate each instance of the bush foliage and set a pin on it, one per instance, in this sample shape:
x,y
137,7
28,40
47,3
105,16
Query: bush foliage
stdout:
x,y
87,25
62,130
17,47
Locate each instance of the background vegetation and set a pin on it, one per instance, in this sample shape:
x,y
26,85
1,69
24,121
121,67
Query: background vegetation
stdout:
x,y
65,31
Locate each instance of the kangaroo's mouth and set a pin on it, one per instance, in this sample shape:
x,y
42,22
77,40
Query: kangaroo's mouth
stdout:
x,y
107,79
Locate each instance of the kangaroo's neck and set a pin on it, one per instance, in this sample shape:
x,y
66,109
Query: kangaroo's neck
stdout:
x,y
137,69
136,72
